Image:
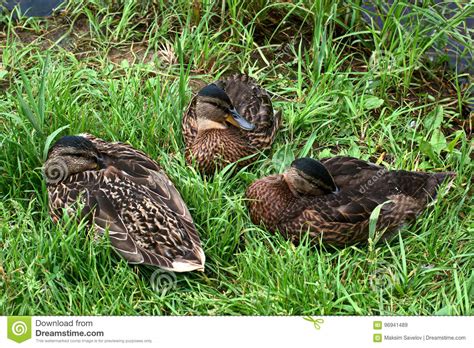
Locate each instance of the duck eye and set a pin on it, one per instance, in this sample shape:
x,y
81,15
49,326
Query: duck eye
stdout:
x,y
77,155
82,155
219,106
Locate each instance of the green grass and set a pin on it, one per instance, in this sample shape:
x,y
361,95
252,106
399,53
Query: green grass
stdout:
x,y
127,73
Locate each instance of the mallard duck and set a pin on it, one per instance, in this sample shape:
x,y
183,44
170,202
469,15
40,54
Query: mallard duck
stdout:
x,y
123,190
228,120
333,199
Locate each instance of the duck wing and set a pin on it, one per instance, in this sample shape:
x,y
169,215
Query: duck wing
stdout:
x,y
82,193
343,218
135,199
141,229
142,170
163,238
254,104
352,172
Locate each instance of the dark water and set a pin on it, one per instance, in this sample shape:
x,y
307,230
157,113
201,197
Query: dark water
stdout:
x,y
447,48
34,8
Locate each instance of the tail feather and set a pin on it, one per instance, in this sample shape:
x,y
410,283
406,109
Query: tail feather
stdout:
x,y
193,261
439,179
184,266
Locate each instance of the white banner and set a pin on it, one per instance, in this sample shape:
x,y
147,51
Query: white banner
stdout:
x,y
236,331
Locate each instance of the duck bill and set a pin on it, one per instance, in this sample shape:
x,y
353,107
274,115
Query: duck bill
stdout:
x,y
237,120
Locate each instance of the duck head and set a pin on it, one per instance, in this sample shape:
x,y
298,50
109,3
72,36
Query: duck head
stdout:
x,y
71,155
215,110
307,176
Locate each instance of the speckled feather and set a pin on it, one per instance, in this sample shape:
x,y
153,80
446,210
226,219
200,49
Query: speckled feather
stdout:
x,y
147,219
342,218
254,104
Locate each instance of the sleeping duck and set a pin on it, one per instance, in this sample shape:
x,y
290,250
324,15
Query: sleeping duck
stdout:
x,y
123,191
333,199
228,120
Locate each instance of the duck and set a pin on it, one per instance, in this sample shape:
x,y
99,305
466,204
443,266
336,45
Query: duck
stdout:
x,y
120,189
331,200
226,121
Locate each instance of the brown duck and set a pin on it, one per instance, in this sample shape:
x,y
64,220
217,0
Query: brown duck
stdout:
x,y
333,199
228,120
122,190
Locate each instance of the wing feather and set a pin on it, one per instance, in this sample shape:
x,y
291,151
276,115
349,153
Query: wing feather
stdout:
x,y
134,200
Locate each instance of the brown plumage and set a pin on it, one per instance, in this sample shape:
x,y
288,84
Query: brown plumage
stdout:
x,y
332,200
228,120
121,189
